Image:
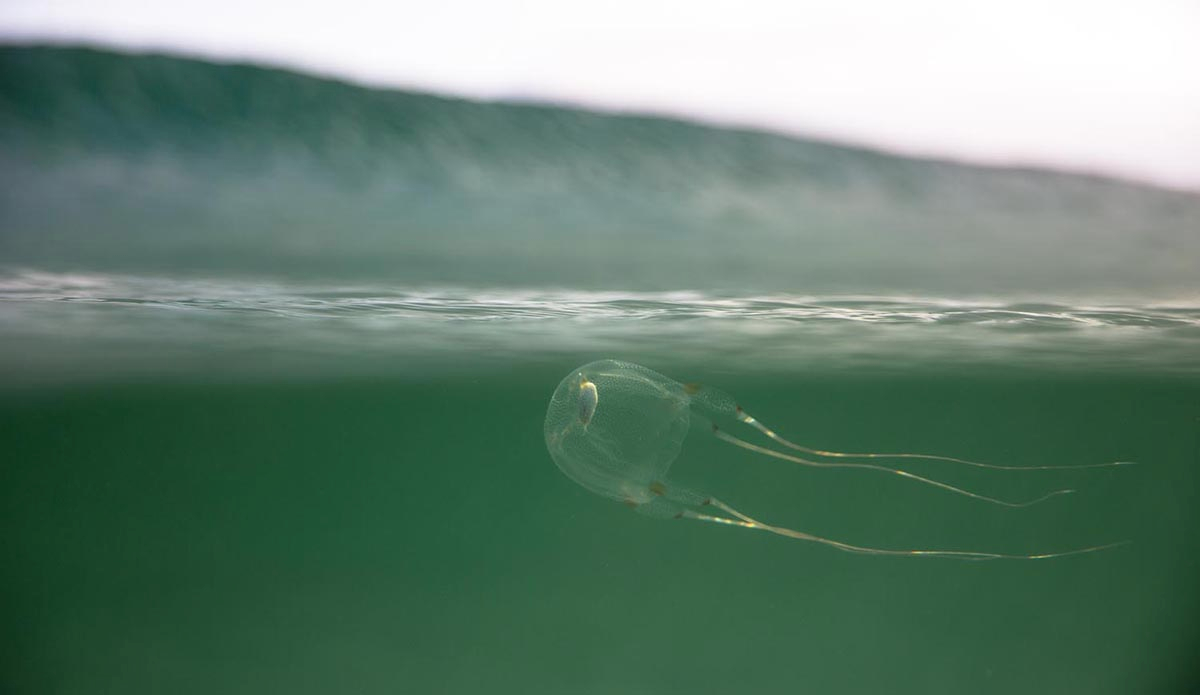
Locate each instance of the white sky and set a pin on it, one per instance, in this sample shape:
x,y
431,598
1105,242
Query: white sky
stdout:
x,y
1102,85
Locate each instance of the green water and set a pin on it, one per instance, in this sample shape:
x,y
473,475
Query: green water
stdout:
x,y
414,537
275,354
262,511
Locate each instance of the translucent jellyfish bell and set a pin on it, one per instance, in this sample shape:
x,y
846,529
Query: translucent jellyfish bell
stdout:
x,y
615,428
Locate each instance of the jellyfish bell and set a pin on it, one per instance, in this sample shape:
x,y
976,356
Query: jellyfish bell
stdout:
x,y
615,428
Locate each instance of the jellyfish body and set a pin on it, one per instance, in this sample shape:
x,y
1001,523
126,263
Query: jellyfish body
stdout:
x,y
616,428
623,447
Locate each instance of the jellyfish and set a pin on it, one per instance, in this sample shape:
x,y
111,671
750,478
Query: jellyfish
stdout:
x,y
615,428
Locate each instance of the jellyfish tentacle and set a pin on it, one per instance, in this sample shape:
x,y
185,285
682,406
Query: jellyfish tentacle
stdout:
x,y
744,521
746,418
616,428
723,436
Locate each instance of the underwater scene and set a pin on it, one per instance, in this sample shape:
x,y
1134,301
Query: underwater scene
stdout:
x,y
314,387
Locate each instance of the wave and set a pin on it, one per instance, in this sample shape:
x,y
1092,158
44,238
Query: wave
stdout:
x,y
149,164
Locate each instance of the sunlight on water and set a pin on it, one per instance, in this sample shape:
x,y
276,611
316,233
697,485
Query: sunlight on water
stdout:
x,y
148,325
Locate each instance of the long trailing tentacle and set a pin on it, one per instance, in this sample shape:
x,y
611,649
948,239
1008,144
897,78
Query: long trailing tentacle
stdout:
x,y
745,417
743,521
870,466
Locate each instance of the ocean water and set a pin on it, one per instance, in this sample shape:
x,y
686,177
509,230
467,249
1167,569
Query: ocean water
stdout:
x,y
273,383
